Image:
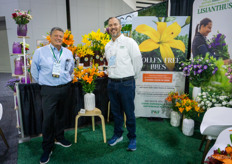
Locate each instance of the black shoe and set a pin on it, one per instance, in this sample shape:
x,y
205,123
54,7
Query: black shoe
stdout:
x,y
63,143
45,157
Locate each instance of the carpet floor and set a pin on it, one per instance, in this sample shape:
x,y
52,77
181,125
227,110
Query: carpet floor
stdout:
x,y
157,142
8,123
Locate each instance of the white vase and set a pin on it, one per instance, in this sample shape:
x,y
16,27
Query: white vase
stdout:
x,y
196,90
175,118
188,127
89,101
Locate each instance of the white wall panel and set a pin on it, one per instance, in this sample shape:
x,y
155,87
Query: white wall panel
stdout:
x,y
90,15
86,16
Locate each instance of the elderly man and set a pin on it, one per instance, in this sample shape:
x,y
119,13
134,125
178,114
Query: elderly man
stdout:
x,y
52,66
124,65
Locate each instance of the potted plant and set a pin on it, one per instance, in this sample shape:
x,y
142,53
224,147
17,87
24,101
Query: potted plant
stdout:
x,y
175,115
190,109
199,70
22,18
87,78
213,98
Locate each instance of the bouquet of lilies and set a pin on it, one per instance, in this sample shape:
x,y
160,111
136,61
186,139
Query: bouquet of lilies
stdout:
x,y
173,97
83,50
87,77
96,40
188,107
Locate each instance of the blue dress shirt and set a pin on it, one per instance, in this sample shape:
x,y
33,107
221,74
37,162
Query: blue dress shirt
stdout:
x,y
42,66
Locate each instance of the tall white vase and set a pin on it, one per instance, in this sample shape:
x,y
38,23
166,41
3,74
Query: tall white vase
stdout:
x,y
196,90
89,101
175,118
188,127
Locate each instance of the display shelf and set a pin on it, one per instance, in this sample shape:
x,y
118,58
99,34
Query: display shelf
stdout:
x,y
24,37
17,104
19,54
19,76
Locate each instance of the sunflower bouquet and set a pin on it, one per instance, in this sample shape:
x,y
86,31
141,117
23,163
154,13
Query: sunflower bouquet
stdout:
x,y
188,107
87,77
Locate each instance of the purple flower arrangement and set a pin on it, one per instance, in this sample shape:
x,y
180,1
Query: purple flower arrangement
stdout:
x,y
229,73
218,45
11,84
199,70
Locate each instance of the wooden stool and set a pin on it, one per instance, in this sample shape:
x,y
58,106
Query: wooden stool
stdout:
x,y
95,112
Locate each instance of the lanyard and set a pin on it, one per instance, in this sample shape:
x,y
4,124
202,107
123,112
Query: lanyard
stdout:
x,y
58,61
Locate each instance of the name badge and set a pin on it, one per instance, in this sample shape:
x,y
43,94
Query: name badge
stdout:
x,y
56,69
112,61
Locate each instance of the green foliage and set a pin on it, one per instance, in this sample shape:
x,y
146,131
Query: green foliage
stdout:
x,y
220,81
127,27
88,87
155,10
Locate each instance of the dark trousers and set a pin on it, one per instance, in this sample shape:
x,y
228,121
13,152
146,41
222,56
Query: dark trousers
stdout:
x,y
121,95
54,103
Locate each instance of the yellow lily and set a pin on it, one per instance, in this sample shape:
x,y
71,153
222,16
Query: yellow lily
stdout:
x,y
163,38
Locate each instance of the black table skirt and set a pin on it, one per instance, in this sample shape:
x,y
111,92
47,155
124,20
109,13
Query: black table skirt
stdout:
x,y
31,106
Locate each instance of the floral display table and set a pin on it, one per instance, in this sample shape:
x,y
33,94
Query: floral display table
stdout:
x,y
92,113
31,105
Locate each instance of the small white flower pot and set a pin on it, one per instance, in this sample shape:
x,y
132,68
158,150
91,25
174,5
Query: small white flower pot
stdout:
x,y
188,127
175,118
89,101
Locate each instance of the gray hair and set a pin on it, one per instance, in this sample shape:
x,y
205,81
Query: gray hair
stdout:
x,y
56,28
115,18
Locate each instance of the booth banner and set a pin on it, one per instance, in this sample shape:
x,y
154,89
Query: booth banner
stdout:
x,y
126,22
127,18
152,87
163,43
220,13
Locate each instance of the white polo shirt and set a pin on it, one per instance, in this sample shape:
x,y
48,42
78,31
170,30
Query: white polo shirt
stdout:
x,y
124,58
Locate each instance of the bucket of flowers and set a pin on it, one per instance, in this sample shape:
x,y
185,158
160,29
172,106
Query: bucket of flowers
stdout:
x,y
190,109
199,70
87,78
175,115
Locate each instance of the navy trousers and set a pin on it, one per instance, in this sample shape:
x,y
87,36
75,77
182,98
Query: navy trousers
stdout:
x,y
121,95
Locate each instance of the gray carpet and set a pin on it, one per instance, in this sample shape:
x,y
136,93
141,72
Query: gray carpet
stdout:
x,y
8,123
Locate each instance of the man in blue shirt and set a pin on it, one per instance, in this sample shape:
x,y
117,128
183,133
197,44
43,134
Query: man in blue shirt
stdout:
x,y
51,67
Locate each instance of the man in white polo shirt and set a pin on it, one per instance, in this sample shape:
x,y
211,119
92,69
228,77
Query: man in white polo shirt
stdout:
x,y
124,65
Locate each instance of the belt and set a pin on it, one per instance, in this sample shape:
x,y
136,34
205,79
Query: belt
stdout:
x,y
122,79
58,86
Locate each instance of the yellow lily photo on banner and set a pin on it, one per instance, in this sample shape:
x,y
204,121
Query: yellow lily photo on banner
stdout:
x,y
163,41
